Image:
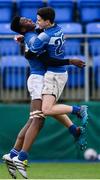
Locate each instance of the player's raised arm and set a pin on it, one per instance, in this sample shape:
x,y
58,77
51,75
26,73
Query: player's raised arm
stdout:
x,y
49,61
19,38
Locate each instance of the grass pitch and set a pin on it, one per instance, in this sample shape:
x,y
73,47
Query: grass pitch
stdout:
x,y
57,171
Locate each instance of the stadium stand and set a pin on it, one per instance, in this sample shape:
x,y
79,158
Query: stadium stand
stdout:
x,y
96,66
14,71
94,47
28,8
94,43
6,10
76,77
64,9
72,50
9,46
67,16
72,45
89,10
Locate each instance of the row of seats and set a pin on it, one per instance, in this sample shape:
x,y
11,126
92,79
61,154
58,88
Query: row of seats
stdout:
x,y
88,10
14,71
14,68
73,46
9,46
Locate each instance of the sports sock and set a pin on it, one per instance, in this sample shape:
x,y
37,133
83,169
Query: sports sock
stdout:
x,y
13,153
76,109
22,155
73,130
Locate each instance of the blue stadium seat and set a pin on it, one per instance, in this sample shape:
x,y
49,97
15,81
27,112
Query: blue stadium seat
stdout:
x,y
9,46
76,78
5,29
94,43
6,10
72,45
89,10
96,67
28,8
64,9
14,71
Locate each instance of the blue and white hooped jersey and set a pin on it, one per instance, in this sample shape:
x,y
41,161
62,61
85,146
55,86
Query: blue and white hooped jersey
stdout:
x,y
52,40
36,66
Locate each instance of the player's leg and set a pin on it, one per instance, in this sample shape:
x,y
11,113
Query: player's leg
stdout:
x,y
76,131
20,138
53,86
15,150
35,87
19,143
37,123
58,109
66,121
21,160
35,96
34,128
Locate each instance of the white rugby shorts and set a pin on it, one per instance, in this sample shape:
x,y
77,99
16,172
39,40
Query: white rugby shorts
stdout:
x,y
35,86
54,83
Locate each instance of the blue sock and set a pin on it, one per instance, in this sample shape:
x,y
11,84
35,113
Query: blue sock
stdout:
x,y
72,130
13,153
22,155
76,109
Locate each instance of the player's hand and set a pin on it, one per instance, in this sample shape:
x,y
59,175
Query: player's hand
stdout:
x,y
77,62
19,38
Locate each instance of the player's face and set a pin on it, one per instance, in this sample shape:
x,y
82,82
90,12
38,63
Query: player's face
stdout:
x,y
27,24
41,22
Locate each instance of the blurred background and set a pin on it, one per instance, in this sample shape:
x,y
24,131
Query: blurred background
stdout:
x,y
80,21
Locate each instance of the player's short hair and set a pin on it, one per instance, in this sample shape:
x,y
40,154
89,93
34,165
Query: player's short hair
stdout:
x,y
47,13
15,24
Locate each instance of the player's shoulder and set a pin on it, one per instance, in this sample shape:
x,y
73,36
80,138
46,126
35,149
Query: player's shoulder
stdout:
x,y
29,35
43,36
54,30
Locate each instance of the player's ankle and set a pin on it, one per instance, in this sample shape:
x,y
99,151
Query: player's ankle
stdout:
x,y
23,155
73,130
75,109
13,153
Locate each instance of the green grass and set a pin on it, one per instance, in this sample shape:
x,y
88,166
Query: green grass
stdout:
x,y
58,171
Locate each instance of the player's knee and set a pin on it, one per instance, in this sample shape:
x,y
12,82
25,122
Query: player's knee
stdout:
x,y
37,118
46,111
37,114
